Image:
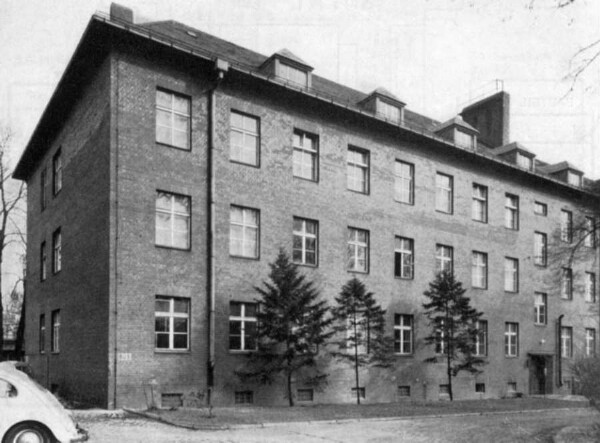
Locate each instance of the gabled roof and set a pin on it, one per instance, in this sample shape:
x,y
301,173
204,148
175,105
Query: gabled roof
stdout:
x,y
561,166
456,121
514,146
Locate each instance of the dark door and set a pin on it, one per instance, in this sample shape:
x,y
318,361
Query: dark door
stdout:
x,y
537,375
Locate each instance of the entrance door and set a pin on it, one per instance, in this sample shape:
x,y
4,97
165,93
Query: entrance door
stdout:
x,y
537,375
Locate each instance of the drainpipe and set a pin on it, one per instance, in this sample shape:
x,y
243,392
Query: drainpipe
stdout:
x,y
558,350
221,67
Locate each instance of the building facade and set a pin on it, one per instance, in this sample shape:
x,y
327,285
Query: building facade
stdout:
x,y
169,168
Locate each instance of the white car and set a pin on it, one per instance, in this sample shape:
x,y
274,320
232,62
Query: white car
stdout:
x,y
31,414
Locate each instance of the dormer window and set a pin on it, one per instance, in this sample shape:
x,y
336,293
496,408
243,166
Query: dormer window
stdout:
x,y
384,104
524,161
464,139
292,74
388,111
288,67
573,178
457,131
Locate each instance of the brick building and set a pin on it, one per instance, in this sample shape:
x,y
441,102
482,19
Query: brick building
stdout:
x,y
170,166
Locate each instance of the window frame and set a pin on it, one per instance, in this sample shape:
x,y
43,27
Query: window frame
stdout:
x,y
286,72
515,273
540,309
400,253
440,259
314,153
566,284
55,332
543,208
43,261
401,329
447,191
479,203
590,342
243,319
566,341
244,227
42,334
400,180
511,211
475,265
57,251
43,188
364,167
244,132
304,236
511,339
590,287
356,244
589,240
171,316
172,112
566,226
57,172
481,338
540,250
173,215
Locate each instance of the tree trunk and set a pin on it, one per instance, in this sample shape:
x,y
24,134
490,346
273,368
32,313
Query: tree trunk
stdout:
x,y
1,306
289,388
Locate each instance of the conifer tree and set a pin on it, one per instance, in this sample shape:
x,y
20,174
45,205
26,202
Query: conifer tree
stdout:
x,y
454,326
360,326
292,325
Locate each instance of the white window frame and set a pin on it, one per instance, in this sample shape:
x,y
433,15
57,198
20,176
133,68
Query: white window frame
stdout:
x,y
42,334
524,161
404,257
403,334
292,74
540,208
173,215
444,258
511,339
590,287
358,170
55,339
590,232
540,308
243,319
404,183
174,115
480,203
511,274
242,153
354,246
250,232
573,178
440,338
57,172
43,261
305,147
481,339
566,226
540,248
389,112
566,284
590,342
479,270
566,341
171,315
444,198
57,251
511,212
304,235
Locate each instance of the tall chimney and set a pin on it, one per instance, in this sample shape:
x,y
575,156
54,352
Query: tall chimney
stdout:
x,y
491,117
121,13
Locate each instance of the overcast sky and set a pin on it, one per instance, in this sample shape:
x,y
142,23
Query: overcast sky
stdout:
x,y
435,55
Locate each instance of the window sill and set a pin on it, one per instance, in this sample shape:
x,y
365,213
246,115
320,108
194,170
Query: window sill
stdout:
x,y
354,271
404,278
480,288
444,212
306,265
241,351
512,357
244,257
540,325
172,248
510,292
304,179
404,356
404,203
237,162
358,192
166,145
483,222
172,351
540,265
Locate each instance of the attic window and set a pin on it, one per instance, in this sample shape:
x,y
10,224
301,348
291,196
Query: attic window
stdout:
x,y
387,111
464,139
524,161
573,178
292,74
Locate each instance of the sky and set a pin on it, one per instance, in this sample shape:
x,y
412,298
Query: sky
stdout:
x,y
435,55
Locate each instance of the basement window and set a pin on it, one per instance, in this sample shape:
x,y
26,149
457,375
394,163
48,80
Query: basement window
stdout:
x,y
403,391
361,392
444,390
244,397
305,395
480,388
171,401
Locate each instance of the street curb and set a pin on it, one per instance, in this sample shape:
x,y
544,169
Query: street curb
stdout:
x,y
90,413
156,417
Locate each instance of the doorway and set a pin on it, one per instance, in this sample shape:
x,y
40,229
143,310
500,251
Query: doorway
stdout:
x,y
540,374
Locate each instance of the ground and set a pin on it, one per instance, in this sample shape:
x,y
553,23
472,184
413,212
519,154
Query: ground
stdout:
x,y
503,427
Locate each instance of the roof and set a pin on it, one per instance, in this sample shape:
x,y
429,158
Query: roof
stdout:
x,y
286,53
512,147
455,121
561,166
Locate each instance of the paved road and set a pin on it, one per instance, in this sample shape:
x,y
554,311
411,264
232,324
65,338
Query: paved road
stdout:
x,y
504,428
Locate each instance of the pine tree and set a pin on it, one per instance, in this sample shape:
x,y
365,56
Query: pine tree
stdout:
x,y
360,325
292,325
454,326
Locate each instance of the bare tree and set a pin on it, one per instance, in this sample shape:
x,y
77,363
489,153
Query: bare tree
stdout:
x,y
11,194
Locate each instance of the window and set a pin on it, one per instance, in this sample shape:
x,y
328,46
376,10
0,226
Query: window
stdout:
x,y
511,339
294,75
306,154
566,226
403,334
242,326
511,212
358,170
305,241
172,119
42,335
305,394
172,220
403,257
444,257
440,336
244,397
171,323
590,342
361,392
57,172
479,209
403,391
56,251
358,250
524,161
244,139
511,274
566,284
43,261
573,179
243,232
43,189
444,390
480,388
511,386
443,193
566,341
55,333
589,233
540,208
540,249
481,338
540,308
463,139
479,270
590,287
387,111
404,183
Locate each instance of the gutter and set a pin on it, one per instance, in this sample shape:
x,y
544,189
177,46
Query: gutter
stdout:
x,y
221,67
558,351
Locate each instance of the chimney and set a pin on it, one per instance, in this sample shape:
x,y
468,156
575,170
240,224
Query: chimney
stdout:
x,y
121,13
491,118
